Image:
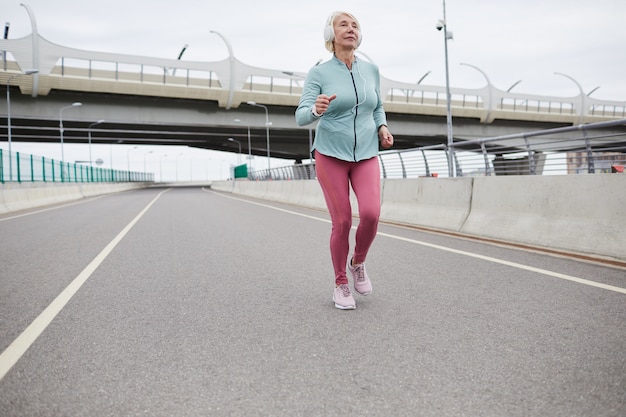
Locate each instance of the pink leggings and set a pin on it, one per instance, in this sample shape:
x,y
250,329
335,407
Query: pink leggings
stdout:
x,y
335,177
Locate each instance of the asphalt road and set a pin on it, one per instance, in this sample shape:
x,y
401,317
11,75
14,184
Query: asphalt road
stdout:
x,y
187,302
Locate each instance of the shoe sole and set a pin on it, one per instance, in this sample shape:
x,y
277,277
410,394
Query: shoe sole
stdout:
x,y
340,307
363,293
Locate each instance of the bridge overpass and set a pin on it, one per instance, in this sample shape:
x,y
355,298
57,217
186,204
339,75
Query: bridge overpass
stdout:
x,y
147,100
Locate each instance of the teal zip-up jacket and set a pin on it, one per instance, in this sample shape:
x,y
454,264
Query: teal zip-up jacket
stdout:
x,y
348,130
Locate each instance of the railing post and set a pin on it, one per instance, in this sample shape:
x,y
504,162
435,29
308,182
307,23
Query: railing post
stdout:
x,y
531,156
486,156
426,163
402,165
1,167
32,170
19,177
382,165
459,171
591,166
43,168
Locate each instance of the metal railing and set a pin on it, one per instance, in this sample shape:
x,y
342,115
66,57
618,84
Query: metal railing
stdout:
x,y
582,149
489,102
19,167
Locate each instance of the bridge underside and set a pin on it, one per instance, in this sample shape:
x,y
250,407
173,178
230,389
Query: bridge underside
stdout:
x,y
285,143
140,120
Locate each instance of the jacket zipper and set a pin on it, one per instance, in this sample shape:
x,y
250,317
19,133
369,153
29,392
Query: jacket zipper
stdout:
x,y
356,113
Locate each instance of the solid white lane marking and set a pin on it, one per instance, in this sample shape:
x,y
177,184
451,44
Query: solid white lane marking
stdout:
x,y
511,264
52,208
459,252
24,341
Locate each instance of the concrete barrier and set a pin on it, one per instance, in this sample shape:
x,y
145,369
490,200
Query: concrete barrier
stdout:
x,y
22,196
575,213
431,202
580,213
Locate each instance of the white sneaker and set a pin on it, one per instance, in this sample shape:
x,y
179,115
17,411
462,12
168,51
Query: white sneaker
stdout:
x,y
362,283
343,298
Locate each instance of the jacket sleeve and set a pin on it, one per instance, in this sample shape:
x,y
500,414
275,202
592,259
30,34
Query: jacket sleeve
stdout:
x,y
380,118
312,88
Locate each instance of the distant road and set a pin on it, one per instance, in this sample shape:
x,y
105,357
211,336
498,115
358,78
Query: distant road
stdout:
x,y
188,302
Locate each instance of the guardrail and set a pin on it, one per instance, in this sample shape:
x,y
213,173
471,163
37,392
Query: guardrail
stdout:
x,y
19,167
229,80
586,151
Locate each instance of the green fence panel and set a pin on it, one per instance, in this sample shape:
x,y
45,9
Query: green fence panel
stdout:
x,y
26,167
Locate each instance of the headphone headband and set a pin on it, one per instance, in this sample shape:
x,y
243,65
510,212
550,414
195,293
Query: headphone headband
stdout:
x,y
329,30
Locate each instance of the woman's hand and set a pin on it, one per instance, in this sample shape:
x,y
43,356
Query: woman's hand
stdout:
x,y
322,102
385,137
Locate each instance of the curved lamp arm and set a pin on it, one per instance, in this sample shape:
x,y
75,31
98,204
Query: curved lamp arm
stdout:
x,y
582,112
35,35
488,118
231,60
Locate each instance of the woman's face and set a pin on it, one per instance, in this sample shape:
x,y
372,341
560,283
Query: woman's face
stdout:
x,y
346,32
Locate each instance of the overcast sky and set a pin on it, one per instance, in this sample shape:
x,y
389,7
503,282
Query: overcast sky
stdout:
x,y
509,40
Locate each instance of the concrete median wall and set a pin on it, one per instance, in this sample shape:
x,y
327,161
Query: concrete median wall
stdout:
x,y
581,213
22,196
576,213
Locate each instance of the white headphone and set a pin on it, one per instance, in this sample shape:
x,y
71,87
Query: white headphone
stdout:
x,y
329,30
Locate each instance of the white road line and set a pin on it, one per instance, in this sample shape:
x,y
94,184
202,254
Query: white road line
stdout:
x,y
52,208
24,341
511,264
461,252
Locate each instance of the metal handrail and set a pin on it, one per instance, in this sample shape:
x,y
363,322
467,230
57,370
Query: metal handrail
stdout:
x,y
586,150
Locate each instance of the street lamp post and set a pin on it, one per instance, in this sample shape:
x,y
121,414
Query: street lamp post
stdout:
x,y
27,72
267,131
90,157
76,104
310,126
442,24
591,169
128,161
161,167
111,162
144,161
249,145
239,154
7,25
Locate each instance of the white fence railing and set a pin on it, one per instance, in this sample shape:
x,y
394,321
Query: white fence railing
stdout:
x,y
588,150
